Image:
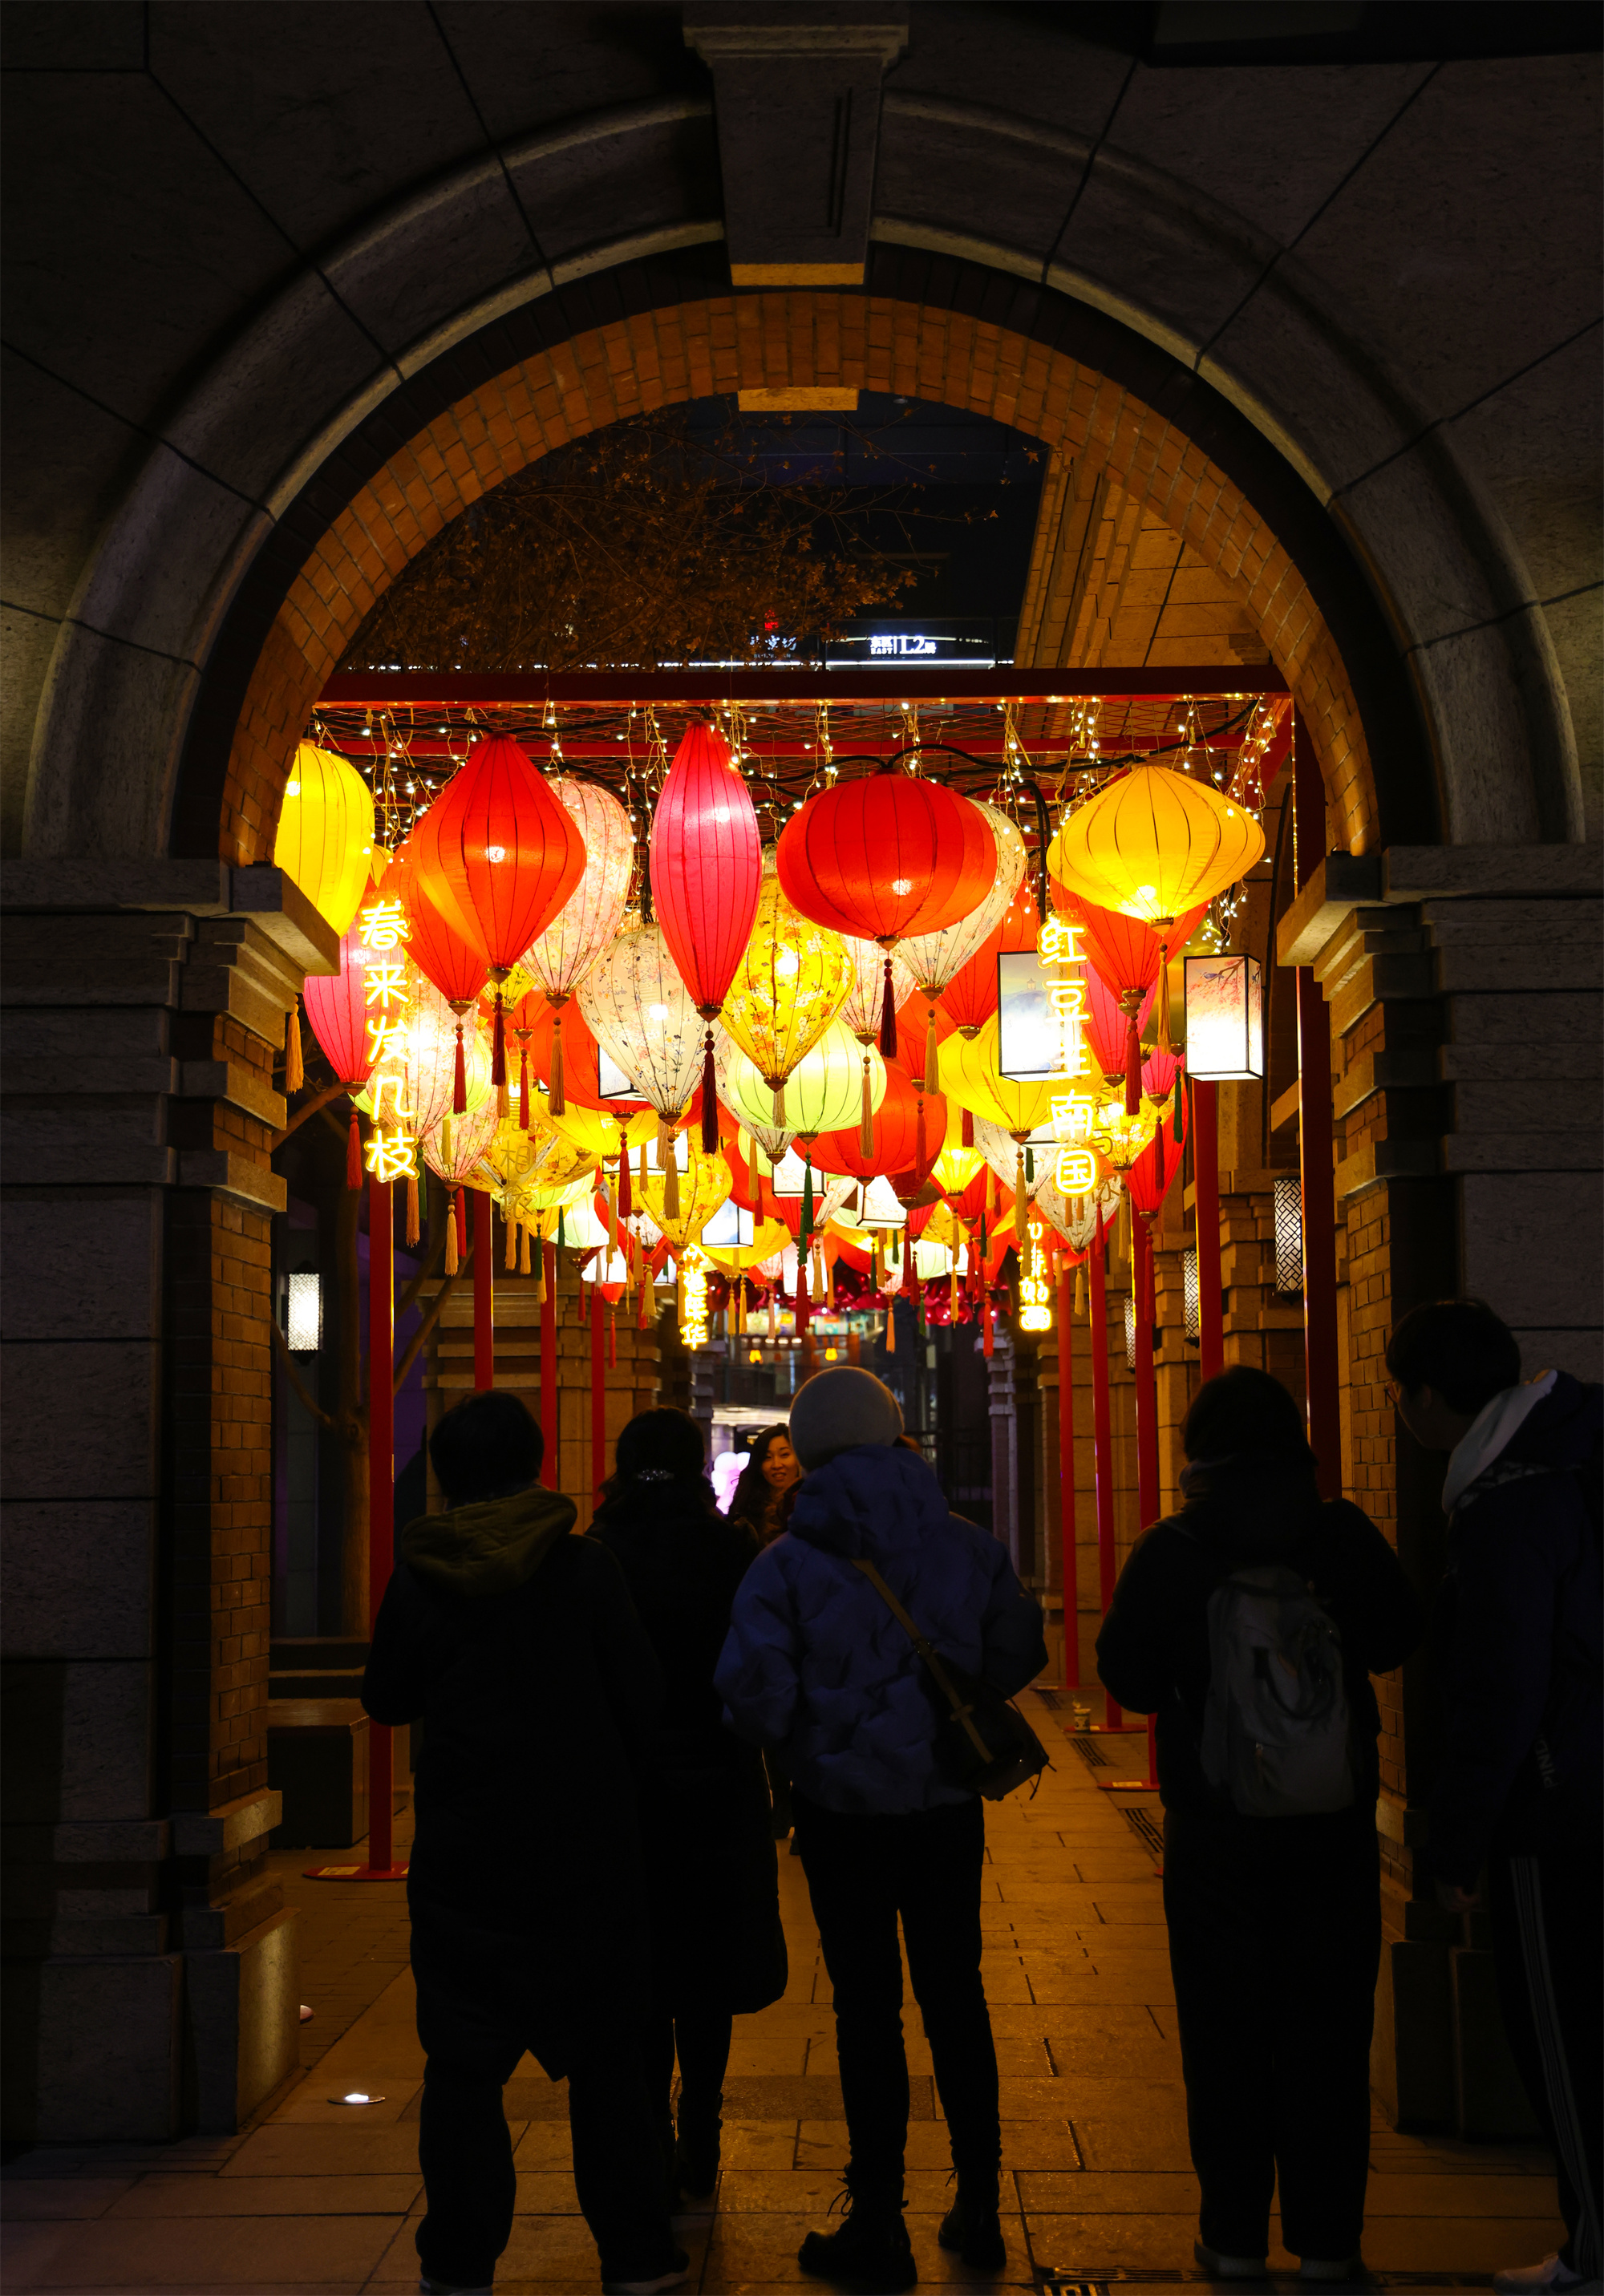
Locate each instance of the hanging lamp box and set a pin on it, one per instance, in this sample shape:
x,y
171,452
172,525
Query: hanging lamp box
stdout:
x,y
1224,1019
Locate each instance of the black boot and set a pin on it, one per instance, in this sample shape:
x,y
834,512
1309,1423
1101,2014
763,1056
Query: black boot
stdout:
x,y
972,2225
697,2149
871,2255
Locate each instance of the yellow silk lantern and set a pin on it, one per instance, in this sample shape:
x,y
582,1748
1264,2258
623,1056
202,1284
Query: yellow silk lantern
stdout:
x,y
955,1168
827,1087
541,1170
601,1134
325,833
1153,844
703,1187
970,1075
789,986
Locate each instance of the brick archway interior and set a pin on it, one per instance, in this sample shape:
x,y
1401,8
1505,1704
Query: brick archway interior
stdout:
x,y
778,342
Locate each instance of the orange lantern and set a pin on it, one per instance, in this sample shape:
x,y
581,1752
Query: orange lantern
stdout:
x,y
499,855
1131,958
440,953
887,857
707,872
908,1134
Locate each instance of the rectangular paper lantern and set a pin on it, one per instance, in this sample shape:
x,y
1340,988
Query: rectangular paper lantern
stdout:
x,y
303,1318
1224,1019
1029,1033
729,1228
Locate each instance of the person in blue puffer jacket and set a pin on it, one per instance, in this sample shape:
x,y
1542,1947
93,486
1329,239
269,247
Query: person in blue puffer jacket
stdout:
x,y
817,1668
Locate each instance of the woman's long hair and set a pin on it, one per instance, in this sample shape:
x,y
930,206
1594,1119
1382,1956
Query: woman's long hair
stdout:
x,y
751,1499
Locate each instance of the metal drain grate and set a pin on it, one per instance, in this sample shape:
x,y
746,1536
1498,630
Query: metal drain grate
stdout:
x,y
1147,1829
1088,1749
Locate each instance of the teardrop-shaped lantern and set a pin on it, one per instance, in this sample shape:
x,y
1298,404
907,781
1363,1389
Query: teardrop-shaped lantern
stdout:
x,y
455,1148
865,999
824,1090
641,1013
972,1077
326,833
791,981
337,1005
682,1213
934,958
741,1088
969,998
559,957
429,1056
1154,843
909,1132
1131,958
885,858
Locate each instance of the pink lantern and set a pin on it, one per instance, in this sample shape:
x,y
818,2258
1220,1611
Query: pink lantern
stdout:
x,y
338,1007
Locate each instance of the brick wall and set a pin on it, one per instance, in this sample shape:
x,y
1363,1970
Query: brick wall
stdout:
x,y
804,337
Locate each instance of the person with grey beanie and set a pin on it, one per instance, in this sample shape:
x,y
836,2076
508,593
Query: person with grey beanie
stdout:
x,y
817,1668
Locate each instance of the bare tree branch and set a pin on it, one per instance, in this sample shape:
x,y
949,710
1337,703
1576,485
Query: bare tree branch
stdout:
x,y
303,1392
319,1099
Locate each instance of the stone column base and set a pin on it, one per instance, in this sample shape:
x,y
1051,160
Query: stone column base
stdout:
x,y
241,2025
92,2053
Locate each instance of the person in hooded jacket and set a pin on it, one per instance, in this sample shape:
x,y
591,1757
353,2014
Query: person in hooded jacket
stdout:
x,y
1518,1642
1275,1921
817,1666
719,1947
518,1647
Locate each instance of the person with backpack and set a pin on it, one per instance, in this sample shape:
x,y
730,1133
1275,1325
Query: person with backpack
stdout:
x,y
1250,1623
820,1665
517,1646
1516,1640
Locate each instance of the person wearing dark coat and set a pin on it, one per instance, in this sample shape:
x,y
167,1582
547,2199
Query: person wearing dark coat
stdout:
x,y
1275,1921
1518,1641
818,1666
518,1647
719,1947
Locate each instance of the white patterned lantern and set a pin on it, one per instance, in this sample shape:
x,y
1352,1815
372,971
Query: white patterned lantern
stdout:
x,y
578,935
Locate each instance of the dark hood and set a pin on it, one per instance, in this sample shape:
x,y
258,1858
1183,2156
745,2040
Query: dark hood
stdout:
x,y
1257,1507
1562,1430
874,1500
490,1548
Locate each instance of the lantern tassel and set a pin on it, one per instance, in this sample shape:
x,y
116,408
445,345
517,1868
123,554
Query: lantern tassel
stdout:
x,y
452,1262
921,1144
612,1214
1163,1045
462,1225
498,1047
523,1087
773,1320
612,1340
1158,1158
643,1313
540,1279
778,1105
887,1032
807,1205
459,1091
709,1125
867,1116
446,1140
414,1230
890,1327
932,1052
625,1206
558,1102
295,1074
1021,1197
354,1153
1132,1064
511,1261
1080,1290
968,1128
671,1188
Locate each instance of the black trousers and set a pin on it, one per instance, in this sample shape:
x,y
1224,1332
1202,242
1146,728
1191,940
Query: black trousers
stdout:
x,y
1547,1913
479,2006
698,2033
862,1873
1275,1942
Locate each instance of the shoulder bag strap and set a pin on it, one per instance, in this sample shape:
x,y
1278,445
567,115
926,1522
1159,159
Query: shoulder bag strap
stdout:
x,y
963,1712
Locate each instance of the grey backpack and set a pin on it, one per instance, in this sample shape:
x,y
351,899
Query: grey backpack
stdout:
x,y
1275,1728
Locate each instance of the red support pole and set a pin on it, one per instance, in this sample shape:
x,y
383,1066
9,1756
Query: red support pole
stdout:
x,y
1206,1219
1147,1383
598,1394
483,1294
548,1364
1066,1526
1321,1352
382,1494
1102,1437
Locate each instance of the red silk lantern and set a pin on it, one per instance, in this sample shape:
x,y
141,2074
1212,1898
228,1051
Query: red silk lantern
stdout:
x,y
884,858
969,998
1103,1026
440,953
909,1131
499,855
1131,958
1153,1174
706,873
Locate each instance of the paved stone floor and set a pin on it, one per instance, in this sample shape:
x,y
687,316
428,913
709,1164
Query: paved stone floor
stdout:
x,y
321,2199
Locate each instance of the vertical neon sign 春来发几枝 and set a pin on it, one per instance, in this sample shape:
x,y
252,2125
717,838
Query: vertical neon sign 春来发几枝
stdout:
x,y
392,1145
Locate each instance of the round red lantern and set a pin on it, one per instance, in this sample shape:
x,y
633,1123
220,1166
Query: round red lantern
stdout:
x,y
908,1131
499,855
706,873
887,857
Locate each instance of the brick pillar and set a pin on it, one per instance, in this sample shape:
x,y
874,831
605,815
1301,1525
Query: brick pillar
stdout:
x,y
1464,993
143,1005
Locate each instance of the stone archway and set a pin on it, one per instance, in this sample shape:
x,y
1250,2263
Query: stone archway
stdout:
x,y
802,337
